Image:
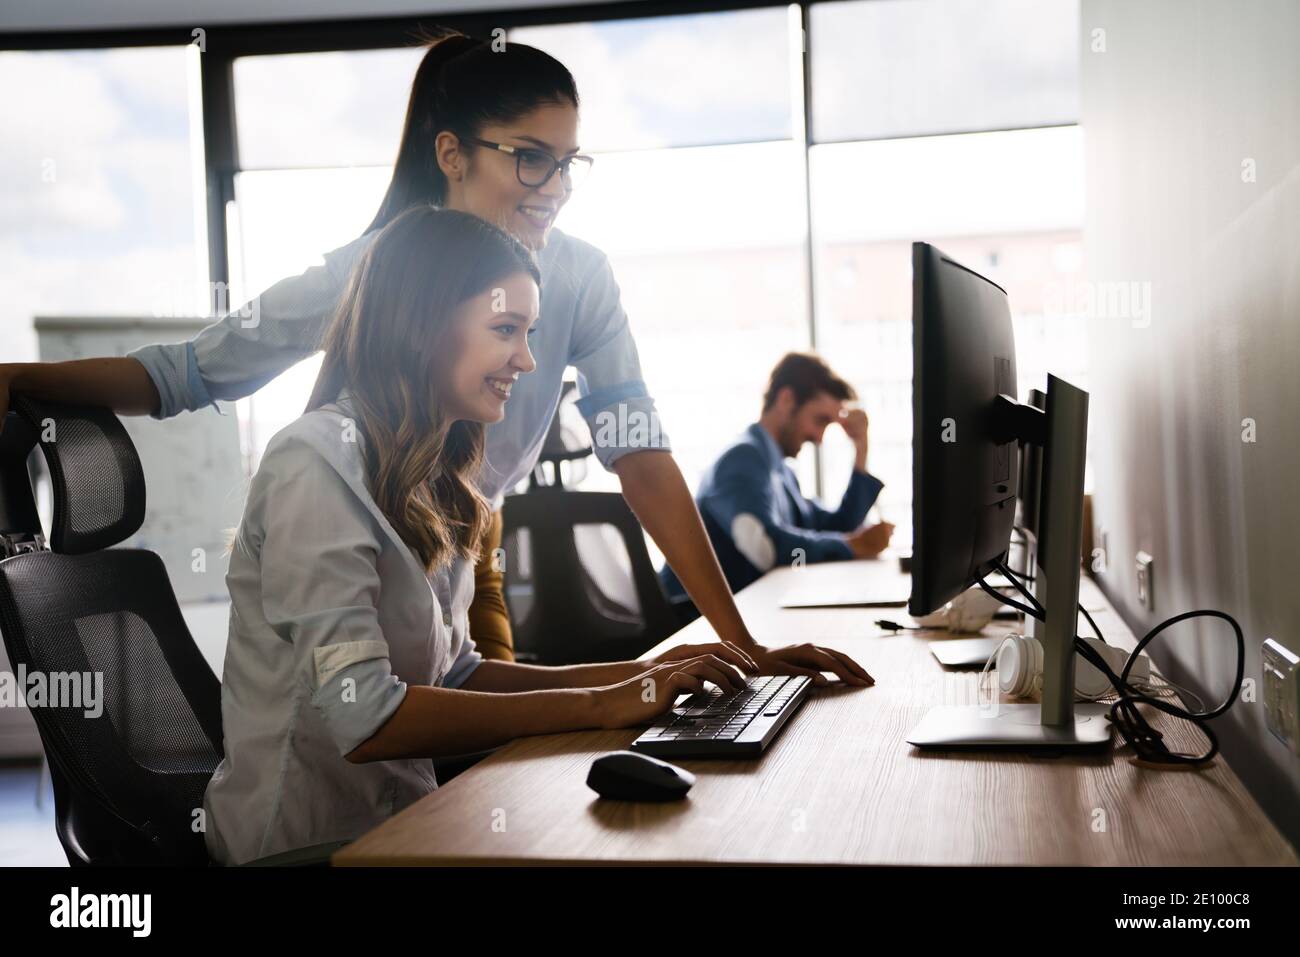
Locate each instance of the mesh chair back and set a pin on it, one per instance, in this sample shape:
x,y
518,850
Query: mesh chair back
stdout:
x,y
97,481
568,621
131,718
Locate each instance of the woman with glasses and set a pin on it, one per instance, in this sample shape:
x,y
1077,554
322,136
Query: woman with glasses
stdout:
x,y
492,132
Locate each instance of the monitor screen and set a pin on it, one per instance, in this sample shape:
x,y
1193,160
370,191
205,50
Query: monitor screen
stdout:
x,y
964,478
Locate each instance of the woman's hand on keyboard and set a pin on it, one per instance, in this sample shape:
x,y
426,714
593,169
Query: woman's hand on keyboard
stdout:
x,y
810,660
646,696
722,649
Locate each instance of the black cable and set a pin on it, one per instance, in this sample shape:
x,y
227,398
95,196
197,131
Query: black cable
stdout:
x,y
1147,743
1016,577
1024,540
1025,609
1092,624
888,625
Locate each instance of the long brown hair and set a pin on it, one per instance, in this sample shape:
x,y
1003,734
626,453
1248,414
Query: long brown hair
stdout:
x,y
462,85
387,339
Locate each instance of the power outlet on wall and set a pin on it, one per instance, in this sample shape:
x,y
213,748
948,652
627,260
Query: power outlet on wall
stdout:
x,y
1282,693
1145,582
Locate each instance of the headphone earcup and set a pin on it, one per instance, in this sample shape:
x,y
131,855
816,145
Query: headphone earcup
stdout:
x,y
1020,666
1036,653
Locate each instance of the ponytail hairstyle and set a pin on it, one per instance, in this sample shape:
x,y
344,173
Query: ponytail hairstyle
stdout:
x,y
463,85
392,334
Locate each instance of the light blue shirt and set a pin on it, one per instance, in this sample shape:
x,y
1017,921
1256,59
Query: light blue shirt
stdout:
x,y
582,323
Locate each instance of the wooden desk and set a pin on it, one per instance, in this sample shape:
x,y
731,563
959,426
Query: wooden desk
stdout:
x,y
840,785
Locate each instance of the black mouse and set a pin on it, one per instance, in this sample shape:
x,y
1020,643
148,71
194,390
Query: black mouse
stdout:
x,y
628,776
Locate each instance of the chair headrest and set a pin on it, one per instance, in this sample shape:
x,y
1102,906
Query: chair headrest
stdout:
x,y
95,473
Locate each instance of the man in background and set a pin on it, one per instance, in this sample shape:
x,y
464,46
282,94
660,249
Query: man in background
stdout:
x,y
753,508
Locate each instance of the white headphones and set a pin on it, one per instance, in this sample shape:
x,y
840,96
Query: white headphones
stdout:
x,y
1019,660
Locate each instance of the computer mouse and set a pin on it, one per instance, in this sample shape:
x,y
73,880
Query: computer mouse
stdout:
x,y
628,776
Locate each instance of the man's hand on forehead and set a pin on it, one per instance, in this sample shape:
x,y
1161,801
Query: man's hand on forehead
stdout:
x,y
854,422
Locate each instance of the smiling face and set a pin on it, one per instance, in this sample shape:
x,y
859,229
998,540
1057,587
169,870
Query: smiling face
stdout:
x,y
482,180
489,350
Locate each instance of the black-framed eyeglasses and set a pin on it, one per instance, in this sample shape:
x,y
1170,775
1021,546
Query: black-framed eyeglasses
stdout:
x,y
535,167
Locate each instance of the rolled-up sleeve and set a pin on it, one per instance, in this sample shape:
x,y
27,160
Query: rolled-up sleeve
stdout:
x,y
248,347
613,396
464,665
320,591
370,681
175,374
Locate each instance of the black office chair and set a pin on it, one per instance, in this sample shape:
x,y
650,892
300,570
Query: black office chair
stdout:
x,y
569,618
128,782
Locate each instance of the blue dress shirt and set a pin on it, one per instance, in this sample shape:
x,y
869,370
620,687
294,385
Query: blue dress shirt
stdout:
x,y
757,517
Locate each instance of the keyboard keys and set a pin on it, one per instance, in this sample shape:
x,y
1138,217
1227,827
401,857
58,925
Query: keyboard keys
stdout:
x,y
720,718
712,723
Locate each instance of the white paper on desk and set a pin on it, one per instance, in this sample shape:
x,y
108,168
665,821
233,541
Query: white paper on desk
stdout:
x,y
890,590
843,598
868,585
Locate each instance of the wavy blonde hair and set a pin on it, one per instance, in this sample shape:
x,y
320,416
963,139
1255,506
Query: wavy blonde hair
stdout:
x,y
391,333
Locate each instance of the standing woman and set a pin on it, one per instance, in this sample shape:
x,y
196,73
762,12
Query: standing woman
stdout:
x,y
494,134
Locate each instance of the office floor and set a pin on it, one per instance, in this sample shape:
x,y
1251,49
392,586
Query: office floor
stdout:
x,y
27,835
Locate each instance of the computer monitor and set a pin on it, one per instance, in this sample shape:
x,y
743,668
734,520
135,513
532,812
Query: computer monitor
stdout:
x,y
967,429
964,476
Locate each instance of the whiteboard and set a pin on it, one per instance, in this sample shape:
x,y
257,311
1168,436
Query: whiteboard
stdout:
x,y
195,479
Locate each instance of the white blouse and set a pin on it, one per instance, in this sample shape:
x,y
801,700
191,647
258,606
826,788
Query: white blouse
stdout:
x,y
332,617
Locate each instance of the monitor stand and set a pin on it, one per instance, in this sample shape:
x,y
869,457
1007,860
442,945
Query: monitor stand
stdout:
x,y
1056,722
1010,726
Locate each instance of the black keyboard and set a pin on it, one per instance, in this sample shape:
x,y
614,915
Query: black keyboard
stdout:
x,y
718,724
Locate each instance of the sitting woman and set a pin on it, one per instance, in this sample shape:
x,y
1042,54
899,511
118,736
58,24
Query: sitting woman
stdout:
x,y
350,664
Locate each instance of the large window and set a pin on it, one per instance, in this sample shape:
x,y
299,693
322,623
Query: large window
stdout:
x,y
740,224
951,122
101,188
317,135
705,79
1008,204
892,68
698,199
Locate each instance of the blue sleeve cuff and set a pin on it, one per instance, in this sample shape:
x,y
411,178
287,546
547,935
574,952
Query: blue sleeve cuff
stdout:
x,y
165,366
463,667
812,546
837,549
622,419
174,371
874,485
593,402
198,389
